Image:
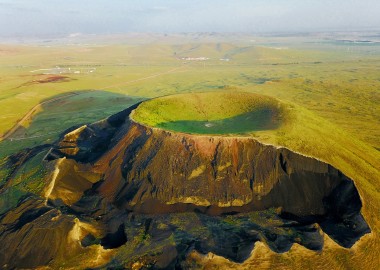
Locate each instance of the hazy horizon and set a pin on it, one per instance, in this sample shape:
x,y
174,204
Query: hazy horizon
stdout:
x,y
33,18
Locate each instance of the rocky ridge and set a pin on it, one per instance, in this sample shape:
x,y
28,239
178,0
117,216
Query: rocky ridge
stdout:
x,y
127,181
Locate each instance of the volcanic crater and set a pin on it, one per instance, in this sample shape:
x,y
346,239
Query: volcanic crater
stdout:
x,y
185,172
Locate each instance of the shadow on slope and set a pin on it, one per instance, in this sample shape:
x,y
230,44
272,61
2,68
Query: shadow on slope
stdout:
x,y
55,117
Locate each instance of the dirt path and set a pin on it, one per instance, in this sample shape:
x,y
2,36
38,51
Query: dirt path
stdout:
x,y
144,78
51,185
30,114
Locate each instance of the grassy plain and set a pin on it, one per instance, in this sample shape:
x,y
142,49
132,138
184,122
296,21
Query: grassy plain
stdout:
x,y
335,81
332,88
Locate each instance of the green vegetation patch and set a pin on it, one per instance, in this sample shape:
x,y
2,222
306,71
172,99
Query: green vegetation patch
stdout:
x,y
28,180
211,113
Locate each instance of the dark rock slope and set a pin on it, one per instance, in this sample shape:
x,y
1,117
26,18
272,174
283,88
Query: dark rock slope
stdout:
x,y
137,182
149,170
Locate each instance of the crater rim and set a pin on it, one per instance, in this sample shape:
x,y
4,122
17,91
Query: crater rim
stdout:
x,y
215,113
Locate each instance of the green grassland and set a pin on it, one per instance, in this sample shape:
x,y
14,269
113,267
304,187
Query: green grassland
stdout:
x,y
331,91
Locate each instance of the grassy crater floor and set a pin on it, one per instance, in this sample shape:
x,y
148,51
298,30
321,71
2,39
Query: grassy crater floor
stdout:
x,y
211,113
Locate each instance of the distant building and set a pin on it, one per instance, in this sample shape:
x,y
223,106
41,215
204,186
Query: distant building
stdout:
x,y
202,58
